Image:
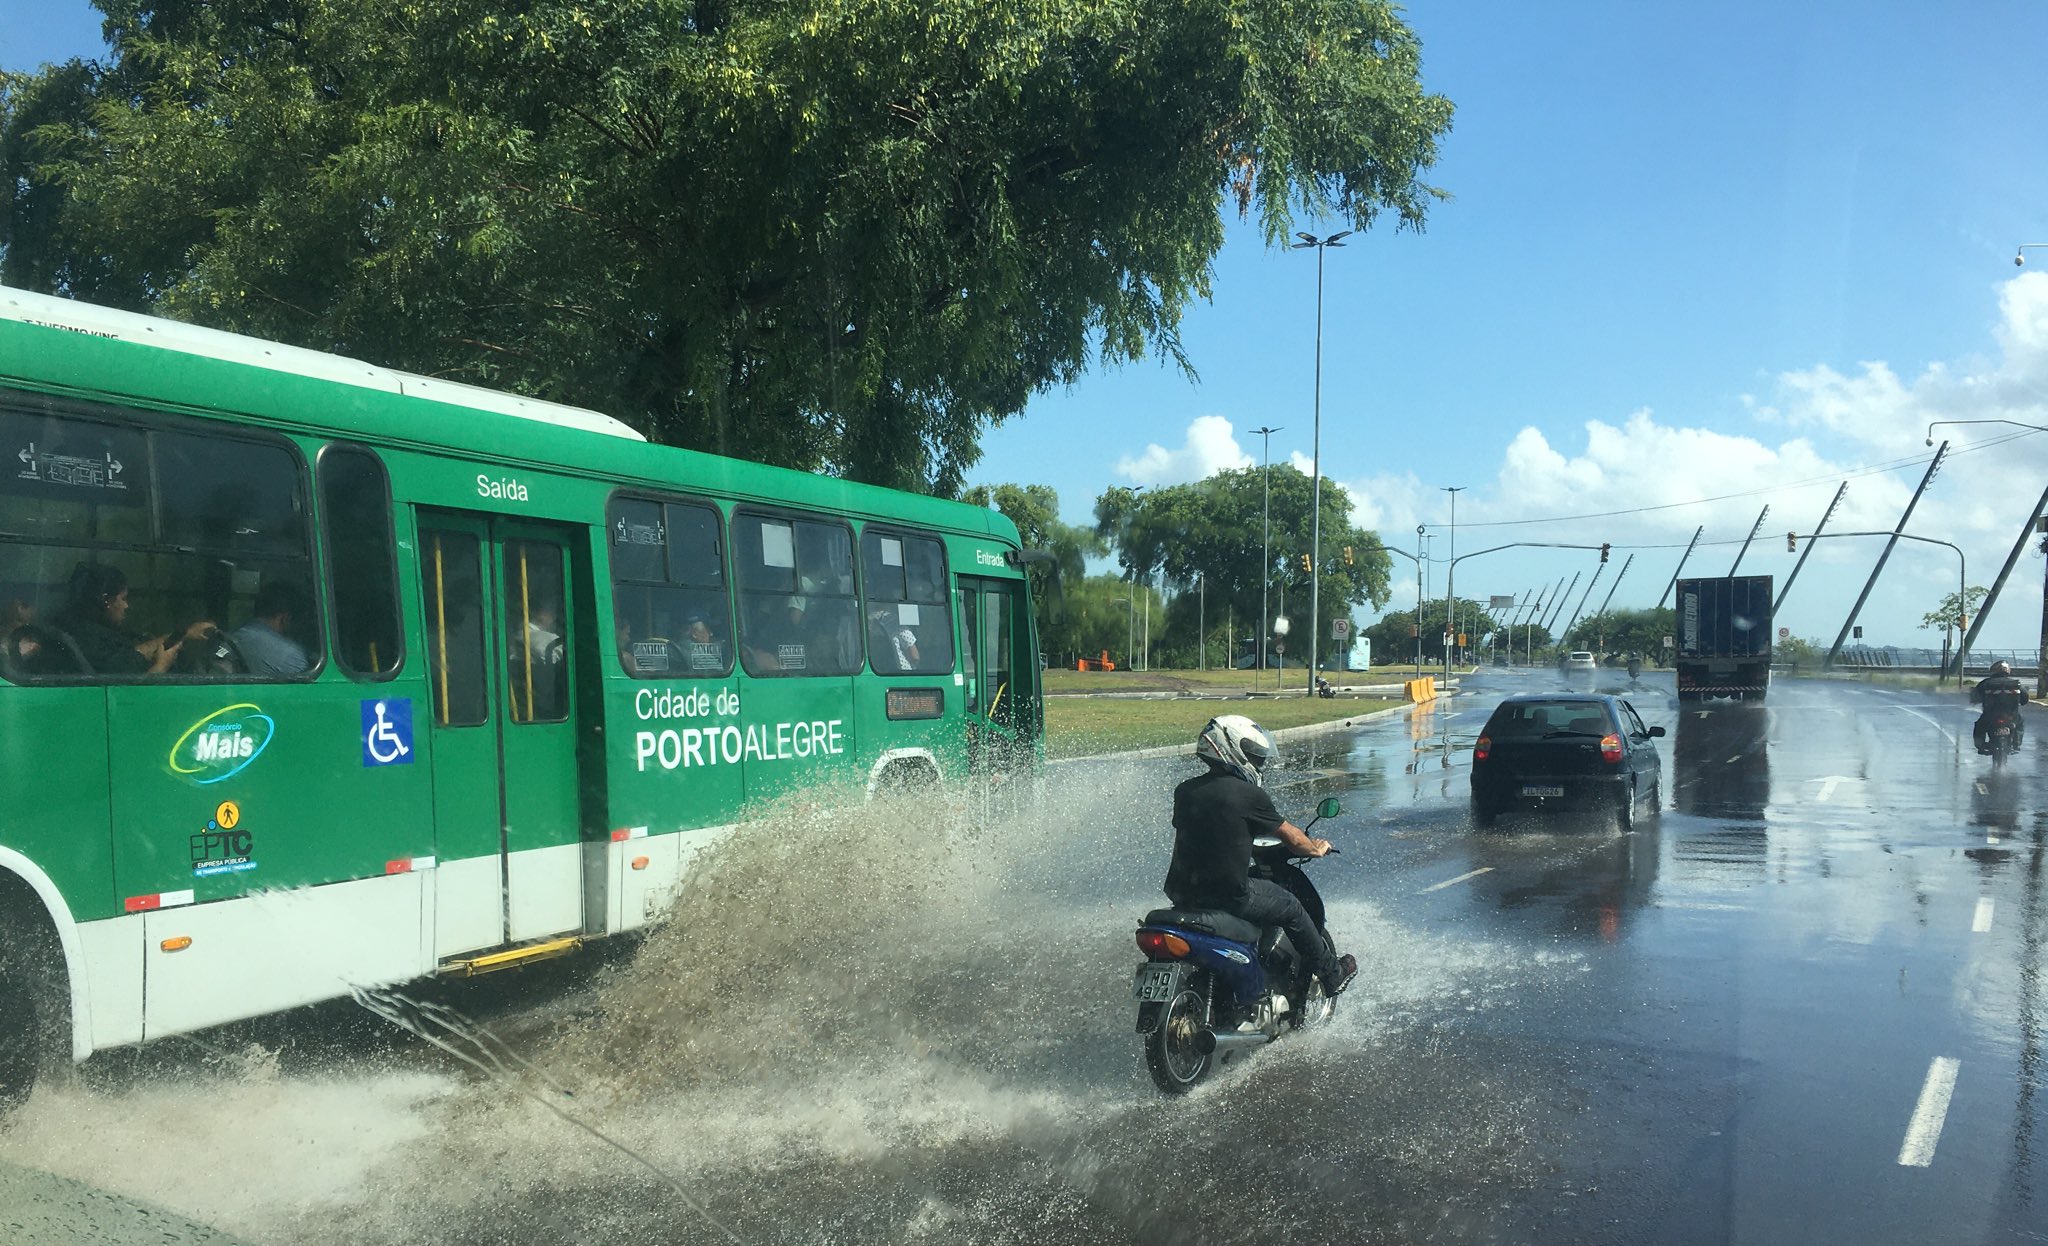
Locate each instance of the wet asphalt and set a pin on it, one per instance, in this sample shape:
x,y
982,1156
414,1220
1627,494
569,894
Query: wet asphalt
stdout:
x,y
1801,1004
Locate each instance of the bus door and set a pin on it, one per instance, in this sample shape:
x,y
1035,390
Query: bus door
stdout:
x,y
503,647
1002,684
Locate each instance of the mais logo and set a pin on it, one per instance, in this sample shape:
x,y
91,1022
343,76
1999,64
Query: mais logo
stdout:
x,y
222,744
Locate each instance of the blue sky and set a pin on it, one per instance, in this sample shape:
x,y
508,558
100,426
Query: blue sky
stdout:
x,y
1693,251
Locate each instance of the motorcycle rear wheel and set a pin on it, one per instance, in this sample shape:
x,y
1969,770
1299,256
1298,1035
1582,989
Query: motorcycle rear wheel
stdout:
x,y
1170,1053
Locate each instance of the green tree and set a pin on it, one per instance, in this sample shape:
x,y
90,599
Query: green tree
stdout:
x,y
1206,540
839,235
1095,619
1628,631
1394,635
1035,509
1954,609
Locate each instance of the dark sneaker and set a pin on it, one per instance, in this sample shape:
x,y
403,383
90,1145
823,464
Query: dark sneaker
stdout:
x,y
1347,969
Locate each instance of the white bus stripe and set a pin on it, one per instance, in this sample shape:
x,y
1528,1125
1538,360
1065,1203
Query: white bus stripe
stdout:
x,y
1928,1115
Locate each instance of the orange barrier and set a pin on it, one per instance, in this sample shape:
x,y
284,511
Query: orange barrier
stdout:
x,y
1422,690
1095,664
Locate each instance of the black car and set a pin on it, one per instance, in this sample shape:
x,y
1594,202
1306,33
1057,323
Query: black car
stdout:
x,y
1566,750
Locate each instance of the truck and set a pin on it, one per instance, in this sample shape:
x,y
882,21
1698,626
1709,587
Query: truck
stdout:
x,y
1724,638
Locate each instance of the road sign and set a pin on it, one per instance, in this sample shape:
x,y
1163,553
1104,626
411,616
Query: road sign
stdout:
x,y
1784,633
1497,602
1859,631
1340,629
1670,643
1462,642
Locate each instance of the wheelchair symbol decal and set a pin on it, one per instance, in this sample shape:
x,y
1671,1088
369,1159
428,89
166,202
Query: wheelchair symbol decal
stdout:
x,y
387,732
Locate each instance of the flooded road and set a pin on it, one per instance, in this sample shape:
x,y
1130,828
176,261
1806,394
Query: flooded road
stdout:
x,y
895,1024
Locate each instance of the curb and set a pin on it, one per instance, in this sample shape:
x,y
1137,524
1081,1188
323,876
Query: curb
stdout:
x,y
1284,733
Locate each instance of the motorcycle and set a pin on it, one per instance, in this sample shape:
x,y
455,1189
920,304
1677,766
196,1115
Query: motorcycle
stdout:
x,y
1324,688
2000,738
1214,987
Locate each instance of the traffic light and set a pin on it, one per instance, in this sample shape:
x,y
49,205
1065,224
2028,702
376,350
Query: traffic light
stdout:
x,y
1604,548
1347,556
1791,542
1307,567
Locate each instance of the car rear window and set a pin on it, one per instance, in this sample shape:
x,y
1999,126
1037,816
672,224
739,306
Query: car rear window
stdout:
x,y
1521,719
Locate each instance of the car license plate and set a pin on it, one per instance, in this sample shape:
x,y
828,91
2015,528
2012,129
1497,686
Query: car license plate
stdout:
x,y
1155,983
1540,789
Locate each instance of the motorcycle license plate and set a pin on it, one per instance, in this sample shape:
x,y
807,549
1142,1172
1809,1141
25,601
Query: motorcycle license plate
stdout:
x,y
1155,984
1541,789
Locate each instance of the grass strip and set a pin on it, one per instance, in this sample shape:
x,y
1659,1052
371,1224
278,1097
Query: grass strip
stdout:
x,y
1082,726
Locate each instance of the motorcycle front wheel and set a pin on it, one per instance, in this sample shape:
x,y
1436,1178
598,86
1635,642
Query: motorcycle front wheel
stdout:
x,y
1177,1065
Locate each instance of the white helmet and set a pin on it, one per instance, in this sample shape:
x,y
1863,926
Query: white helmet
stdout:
x,y
2001,667
1235,743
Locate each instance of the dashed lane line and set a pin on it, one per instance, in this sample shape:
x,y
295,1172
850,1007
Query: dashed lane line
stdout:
x,y
1924,1130
1452,882
1981,923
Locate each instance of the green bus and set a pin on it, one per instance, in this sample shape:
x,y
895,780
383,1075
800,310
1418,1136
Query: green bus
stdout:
x,y
317,675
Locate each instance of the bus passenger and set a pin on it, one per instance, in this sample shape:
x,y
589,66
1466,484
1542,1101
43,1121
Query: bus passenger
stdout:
x,y
265,641
17,625
892,637
706,651
780,645
94,618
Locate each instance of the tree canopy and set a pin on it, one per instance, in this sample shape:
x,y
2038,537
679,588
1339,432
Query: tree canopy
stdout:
x,y
839,235
1954,609
1213,531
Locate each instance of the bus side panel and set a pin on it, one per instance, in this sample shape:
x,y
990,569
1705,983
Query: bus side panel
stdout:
x,y
244,817
886,742
669,781
53,773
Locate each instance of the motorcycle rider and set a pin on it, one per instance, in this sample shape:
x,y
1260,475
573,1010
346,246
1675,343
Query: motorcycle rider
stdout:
x,y
2000,694
1215,817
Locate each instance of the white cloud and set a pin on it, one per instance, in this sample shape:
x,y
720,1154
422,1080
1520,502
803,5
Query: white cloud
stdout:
x,y
1210,447
1787,447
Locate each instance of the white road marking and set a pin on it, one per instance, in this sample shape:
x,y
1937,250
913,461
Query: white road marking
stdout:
x,y
1981,923
1452,882
1928,1115
1982,790
1827,788
1990,839
1927,719
1702,906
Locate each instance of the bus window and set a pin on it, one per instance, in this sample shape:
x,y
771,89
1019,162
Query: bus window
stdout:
x,y
133,554
537,662
668,590
798,611
904,578
455,627
362,579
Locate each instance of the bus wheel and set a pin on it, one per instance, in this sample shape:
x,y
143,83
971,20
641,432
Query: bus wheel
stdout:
x,y
35,1019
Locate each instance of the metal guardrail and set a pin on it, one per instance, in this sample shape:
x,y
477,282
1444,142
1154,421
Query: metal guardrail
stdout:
x,y
1900,657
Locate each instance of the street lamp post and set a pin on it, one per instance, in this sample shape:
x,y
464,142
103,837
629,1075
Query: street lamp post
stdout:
x,y
1130,628
1265,554
1315,539
1451,581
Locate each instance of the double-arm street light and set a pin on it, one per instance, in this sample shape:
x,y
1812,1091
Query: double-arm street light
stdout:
x,y
1315,540
1451,581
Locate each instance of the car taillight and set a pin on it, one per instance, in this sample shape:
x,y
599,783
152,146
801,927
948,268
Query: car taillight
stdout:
x,y
1610,747
1483,749
1160,945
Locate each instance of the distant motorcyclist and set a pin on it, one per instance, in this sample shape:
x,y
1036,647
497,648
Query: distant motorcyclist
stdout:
x,y
2001,695
1215,817
1635,664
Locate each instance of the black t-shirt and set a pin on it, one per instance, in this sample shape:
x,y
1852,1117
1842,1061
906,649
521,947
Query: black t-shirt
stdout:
x,y
1215,816
110,650
1999,693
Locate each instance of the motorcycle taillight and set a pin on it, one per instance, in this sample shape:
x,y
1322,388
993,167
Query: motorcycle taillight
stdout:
x,y
1160,945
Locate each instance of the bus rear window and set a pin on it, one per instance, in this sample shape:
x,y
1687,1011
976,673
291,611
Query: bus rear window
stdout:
x,y
909,628
669,606
798,612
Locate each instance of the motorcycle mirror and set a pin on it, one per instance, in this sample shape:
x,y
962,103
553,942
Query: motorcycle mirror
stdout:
x,y
1329,808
